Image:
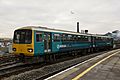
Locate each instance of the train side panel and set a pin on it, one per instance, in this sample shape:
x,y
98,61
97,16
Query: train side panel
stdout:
x,y
72,46
65,44
56,42
104,42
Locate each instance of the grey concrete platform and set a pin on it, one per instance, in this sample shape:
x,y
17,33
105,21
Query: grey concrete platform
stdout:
x,y
108,69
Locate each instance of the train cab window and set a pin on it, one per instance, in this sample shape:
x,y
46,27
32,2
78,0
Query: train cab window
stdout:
x,y
56,37
23,36
39,37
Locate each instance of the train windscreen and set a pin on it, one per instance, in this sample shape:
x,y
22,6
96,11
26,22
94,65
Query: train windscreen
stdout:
x,y
22,36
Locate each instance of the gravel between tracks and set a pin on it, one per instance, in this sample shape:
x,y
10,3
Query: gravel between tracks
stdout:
x,y
7,57
50,69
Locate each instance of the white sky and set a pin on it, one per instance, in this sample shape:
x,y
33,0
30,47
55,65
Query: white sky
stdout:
x,y
98,16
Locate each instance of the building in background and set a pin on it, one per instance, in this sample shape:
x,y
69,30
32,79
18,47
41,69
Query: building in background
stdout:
x,y
5,42
115,34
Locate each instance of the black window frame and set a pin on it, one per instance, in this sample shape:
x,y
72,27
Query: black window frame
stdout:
x,y
39,36
56,37
24,36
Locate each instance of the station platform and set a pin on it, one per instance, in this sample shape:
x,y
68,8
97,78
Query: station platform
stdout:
x,y
102,67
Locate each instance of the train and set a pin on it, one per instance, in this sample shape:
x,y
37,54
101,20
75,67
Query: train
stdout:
x,y
40,41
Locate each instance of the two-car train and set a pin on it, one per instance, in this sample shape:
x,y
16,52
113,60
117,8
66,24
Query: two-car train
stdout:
x,y
41,41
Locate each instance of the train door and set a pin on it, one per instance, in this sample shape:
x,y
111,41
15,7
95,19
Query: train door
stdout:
x,y
47,42
39,43
93,41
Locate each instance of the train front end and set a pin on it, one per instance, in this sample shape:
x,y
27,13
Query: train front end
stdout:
x,y
23,42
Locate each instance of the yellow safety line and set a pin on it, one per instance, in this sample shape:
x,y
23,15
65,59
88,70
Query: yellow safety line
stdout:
x,y
87,70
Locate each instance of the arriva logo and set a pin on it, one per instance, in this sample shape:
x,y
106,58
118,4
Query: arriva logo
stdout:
x,y
61,46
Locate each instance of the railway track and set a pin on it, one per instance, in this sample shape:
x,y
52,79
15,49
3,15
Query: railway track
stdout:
x,y
14,68
6,68
46,69
7,59
17,68
7,64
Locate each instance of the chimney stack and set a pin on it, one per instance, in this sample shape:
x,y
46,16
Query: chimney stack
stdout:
x,y
86,31
78,27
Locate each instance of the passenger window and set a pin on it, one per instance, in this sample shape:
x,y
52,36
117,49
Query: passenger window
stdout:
x,y
38,37
82,38
86,38
56,37
63,37
89,39
69,38
79,37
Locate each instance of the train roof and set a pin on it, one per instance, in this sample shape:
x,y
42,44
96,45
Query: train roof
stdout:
x,y
98,35
39,28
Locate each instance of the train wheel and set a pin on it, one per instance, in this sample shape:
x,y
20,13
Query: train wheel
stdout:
x,y
54,57
92,50
22,58
51,57
46,58
83,52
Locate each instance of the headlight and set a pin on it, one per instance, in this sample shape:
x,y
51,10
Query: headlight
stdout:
x,y
14,49
30,50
